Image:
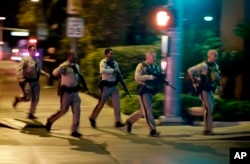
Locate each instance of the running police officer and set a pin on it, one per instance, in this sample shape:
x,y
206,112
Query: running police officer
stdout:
x,y
208,78
108,70
28,73
147,87
69,97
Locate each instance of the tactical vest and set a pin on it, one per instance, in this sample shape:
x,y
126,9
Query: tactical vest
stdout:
x,y
211,80
151,86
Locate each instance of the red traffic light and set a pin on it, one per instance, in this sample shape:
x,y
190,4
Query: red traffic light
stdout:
x,y
162,18
166,17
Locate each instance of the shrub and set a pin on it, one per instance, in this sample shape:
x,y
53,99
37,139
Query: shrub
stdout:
x,y
231,110
224,109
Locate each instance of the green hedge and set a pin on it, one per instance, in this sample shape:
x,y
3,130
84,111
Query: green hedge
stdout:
x,y
224,109
232,110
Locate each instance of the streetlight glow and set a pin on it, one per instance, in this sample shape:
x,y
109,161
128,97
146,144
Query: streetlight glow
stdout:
x,y
162,18
208,18
19,33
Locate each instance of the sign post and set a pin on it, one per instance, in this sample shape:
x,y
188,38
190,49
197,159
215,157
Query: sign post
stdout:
x,y
74,23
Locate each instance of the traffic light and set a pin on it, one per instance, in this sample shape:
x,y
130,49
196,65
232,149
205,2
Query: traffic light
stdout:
x,y
166,17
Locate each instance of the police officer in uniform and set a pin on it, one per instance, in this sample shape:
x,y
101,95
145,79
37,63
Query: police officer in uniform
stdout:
x,y
28,73
108,70
208,78
69,97
147,87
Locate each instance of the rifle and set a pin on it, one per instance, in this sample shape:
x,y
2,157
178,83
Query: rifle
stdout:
x,y
160,78
84,84
119,77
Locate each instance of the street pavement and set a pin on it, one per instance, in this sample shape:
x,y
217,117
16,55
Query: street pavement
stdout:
x,y
24,141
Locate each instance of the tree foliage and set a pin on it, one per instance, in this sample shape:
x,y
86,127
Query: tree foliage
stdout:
x,y
242,29
196,43
29,15
107,22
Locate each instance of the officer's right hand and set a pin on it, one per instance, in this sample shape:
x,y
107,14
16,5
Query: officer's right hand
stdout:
x,y
63,70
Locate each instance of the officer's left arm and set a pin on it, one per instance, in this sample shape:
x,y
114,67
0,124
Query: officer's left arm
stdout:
x,y
20,70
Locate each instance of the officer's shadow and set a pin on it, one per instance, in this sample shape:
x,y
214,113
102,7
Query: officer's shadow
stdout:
x,y
159,141
34,127
86,145
122,134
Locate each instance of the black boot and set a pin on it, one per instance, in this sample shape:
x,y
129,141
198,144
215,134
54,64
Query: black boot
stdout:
x,y
76,134
16,101
48,125
118,124
154,133
31,116
92,122
129,126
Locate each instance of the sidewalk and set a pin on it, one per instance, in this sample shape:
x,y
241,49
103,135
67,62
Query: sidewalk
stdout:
x,y
49,103
106,144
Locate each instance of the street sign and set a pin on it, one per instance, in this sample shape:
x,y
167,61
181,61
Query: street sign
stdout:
x,y
75,27
42,31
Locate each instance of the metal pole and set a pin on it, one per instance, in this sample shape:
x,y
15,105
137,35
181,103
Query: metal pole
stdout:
x,y
74,8
1,39
74,46
172,97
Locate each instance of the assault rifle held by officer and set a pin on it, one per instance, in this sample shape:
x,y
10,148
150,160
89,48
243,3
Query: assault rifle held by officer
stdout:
x,y
119,77
160,78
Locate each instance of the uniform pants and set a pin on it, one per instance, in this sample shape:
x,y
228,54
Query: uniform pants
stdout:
x,y
146,110
69,100
105,93
31,91
207,98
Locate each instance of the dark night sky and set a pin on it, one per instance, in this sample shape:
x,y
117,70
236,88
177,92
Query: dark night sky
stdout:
x,y
9,9
194,8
